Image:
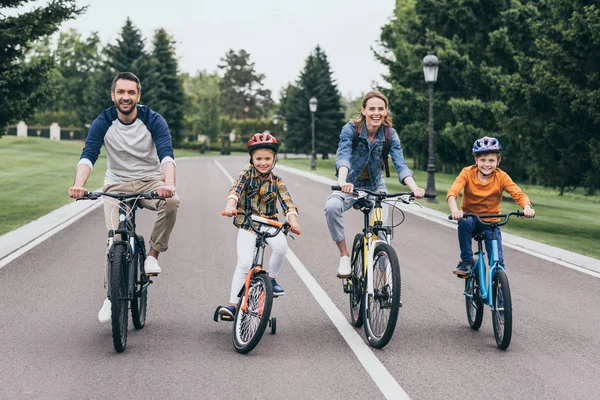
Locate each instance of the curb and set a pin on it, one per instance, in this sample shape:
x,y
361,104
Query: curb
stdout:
x,y
569,259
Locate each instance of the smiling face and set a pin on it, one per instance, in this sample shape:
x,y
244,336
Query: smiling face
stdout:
x,y
263,160
125,96
374,111
487,163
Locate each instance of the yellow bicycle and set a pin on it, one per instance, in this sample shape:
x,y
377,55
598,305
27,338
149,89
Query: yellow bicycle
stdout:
x,y
374,284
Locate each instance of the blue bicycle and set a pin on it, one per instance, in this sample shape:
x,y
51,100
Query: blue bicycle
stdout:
x,y
490,286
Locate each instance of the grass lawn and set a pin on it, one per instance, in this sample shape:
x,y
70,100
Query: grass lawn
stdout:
x,y
36,173
571,221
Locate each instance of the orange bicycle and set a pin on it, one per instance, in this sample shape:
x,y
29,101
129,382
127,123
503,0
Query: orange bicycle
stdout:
x,y
256,296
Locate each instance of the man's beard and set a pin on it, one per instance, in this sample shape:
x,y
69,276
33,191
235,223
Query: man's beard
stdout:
x,y
132,104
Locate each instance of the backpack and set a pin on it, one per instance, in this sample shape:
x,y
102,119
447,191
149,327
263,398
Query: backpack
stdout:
x,y
387,139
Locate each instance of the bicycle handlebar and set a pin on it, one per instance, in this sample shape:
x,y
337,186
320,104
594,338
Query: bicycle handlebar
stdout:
x,y
383,195
479,217
285,226
121,196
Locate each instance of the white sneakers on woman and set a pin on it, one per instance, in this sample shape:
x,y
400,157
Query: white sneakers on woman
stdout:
x,y
344,270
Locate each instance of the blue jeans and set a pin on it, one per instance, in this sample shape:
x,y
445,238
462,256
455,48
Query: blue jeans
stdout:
x,y
338,203
467,228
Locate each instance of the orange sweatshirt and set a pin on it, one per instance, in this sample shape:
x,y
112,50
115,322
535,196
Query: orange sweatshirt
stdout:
x,y
485,198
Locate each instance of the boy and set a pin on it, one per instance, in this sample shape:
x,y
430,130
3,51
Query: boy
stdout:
x,y
483,185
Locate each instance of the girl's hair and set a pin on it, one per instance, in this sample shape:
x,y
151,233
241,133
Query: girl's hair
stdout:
x,y
360,118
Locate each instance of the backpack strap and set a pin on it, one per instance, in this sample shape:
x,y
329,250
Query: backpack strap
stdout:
x,y
387,140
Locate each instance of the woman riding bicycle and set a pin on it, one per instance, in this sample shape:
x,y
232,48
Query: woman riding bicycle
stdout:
x,y
256,191
359,159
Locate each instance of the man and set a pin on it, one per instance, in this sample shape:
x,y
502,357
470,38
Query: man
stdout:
x,y
140,158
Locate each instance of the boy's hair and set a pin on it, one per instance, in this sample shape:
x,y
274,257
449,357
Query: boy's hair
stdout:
x,y
128,76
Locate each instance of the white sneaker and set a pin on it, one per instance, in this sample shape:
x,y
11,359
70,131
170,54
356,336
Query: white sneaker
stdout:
x,y
151,266
104,314
344,270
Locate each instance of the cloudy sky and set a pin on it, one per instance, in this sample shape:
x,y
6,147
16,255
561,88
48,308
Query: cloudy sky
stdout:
x,y
278,34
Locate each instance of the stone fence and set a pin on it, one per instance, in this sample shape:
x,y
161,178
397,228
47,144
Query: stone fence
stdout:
x,y
54,131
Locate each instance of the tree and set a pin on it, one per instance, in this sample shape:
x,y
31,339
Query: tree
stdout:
x,y
167,87
24,82
128,55
315,81
76,60
242,91
202,109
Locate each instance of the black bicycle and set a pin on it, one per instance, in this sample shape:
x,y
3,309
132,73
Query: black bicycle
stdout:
x,y
128,282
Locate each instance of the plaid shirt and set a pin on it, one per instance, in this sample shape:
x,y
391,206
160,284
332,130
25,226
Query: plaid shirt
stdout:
x,y
257,194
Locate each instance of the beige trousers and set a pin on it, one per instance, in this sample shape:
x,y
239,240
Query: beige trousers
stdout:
x,y
166,216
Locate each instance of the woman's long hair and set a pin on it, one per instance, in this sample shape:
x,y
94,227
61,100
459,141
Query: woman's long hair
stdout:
x,y
360,118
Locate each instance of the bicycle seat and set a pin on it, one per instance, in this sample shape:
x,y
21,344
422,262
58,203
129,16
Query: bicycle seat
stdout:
x,y
478,236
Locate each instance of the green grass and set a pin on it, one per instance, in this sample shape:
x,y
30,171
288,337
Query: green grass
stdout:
x,y
570,222
36,174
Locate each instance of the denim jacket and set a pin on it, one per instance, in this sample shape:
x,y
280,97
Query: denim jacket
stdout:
x,y
370,154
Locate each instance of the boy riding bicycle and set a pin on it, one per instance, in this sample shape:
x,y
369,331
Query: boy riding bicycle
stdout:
x,y
483,185
256,191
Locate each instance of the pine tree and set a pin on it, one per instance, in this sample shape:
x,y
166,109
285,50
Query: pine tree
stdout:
x,y
24,84
315,81
167,87
128,55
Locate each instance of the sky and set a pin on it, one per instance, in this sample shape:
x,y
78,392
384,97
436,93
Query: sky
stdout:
x,y
278,34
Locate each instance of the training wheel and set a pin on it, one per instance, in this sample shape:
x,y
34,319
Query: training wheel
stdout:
x,y
273,325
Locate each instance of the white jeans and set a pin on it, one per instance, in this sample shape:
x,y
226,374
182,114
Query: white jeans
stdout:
x,y
246,245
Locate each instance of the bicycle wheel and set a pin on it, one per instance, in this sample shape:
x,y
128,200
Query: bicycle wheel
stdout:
x,y
118,297
139,302
380,311
502,311
249,325
473,302
356,282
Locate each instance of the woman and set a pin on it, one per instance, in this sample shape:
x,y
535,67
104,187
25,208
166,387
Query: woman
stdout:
x,y
358,165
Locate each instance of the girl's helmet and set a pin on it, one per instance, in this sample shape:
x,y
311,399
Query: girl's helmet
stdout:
x,y
486,145
263,141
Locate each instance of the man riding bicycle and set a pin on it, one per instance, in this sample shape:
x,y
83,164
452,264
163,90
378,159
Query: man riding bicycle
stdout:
x,y
140,158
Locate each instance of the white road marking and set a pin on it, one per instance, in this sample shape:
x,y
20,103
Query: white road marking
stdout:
x,y
386,383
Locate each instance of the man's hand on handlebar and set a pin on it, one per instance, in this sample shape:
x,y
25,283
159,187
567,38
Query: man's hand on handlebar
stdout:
x,y
76,192
166,191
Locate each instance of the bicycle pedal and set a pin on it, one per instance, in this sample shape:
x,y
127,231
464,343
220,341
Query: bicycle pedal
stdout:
x,y
151,274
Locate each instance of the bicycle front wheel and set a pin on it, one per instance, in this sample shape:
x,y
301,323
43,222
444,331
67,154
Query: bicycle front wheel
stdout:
x,y
356,281
502,311
380,311
118,297
249,325
139,302
473,302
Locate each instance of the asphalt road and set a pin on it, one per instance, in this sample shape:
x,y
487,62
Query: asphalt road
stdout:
x,y
53,346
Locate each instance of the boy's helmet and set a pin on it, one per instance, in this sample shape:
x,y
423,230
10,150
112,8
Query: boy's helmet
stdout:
x,y
486,145
263,141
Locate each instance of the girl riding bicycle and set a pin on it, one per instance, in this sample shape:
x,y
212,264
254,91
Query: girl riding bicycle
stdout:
x,y
257,190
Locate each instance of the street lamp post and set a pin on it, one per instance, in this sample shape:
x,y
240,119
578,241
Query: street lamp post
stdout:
x,y
312,105
430,70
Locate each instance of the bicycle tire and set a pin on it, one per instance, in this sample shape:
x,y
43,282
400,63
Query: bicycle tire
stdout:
x,y
502,311
118,297
139,303
380,311
473,302
356,281
249,326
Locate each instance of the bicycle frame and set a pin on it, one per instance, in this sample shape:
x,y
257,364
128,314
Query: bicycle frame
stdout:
x,y
370,241
485,279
